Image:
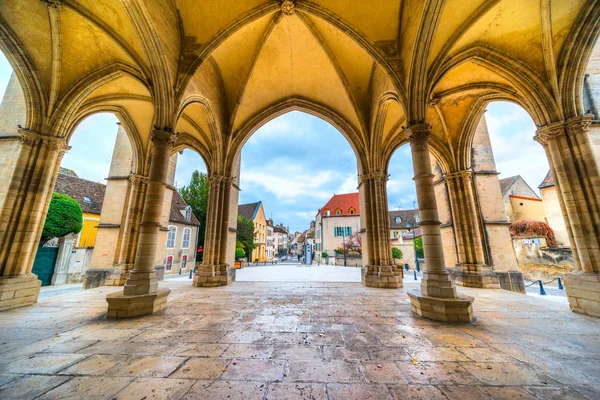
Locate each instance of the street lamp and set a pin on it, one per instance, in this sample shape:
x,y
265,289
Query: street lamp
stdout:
x,y
344,244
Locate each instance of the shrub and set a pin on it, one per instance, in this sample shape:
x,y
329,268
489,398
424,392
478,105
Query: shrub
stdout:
x,y
324,254
64,217
533,228
239,253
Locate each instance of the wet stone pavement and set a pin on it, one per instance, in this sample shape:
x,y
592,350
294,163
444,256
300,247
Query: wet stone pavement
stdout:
x,y
297,341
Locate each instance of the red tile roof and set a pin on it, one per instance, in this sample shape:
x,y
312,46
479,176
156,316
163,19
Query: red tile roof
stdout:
x,y
343,202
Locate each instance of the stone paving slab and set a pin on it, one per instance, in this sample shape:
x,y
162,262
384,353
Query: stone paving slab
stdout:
x,y
298,340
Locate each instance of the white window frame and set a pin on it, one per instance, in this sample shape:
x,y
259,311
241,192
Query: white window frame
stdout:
x,y
174,230
167,263
189,231
183,257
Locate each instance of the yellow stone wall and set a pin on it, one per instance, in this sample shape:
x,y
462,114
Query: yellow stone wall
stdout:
x,y
527,209
260,229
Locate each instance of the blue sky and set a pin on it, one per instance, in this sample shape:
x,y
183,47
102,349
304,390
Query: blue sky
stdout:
x,y
296,162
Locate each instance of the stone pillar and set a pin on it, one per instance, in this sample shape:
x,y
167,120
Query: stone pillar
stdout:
x,y
572,150
215,271
105,268
437,299
378,270
472,269
27,187
141,294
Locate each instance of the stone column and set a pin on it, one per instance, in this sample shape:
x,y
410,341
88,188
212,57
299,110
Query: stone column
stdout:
x,y
379,270
28,175
141,294
437,298
105,266
215,271
572,150
472,269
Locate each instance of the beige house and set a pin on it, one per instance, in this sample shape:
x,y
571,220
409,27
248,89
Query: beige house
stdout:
x,y
552,210
338,219
520,200
182,237
256,213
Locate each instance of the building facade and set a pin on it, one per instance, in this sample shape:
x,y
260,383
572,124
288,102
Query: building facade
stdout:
x,y
256,213
520,200
181,237
554,217
338,219
281,240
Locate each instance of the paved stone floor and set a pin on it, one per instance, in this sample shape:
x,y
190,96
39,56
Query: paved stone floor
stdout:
x,y
297,341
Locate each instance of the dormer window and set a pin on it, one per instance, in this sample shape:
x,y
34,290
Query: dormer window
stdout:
x,y
327,213
338,212
188,213
398,220
416,217
87,200
351,211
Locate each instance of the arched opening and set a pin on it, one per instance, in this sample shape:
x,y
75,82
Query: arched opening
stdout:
x,y
405,234
298,185
184,212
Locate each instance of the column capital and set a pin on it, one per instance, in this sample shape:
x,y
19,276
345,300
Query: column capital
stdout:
x,y
32,138
549,132
374,175
137,179
418,132
163,137
570,127
578,124
458,175
217,178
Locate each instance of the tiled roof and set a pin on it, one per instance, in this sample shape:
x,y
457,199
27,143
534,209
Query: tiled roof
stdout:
x,y
279,229
507,182
405,217
343,202
88,194
248,211
178,204
548,181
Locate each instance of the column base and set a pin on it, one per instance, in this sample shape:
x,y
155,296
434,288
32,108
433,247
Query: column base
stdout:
x,y
583,292
377,276
19,291
457,309
511,280
214,275
475,276
94,278
123,306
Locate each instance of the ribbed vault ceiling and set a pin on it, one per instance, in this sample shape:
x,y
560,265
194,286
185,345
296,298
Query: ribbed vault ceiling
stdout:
x,y
213,70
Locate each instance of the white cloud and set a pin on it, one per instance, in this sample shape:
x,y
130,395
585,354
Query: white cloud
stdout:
x,y
349,184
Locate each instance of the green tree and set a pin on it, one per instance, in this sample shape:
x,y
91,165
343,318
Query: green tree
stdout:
x,y
245,235
397,253
64,217
419,247
196,196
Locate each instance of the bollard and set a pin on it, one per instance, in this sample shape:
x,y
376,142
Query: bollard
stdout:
x,y
542,291
415,275
406,266
418,268
190,274
560,286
